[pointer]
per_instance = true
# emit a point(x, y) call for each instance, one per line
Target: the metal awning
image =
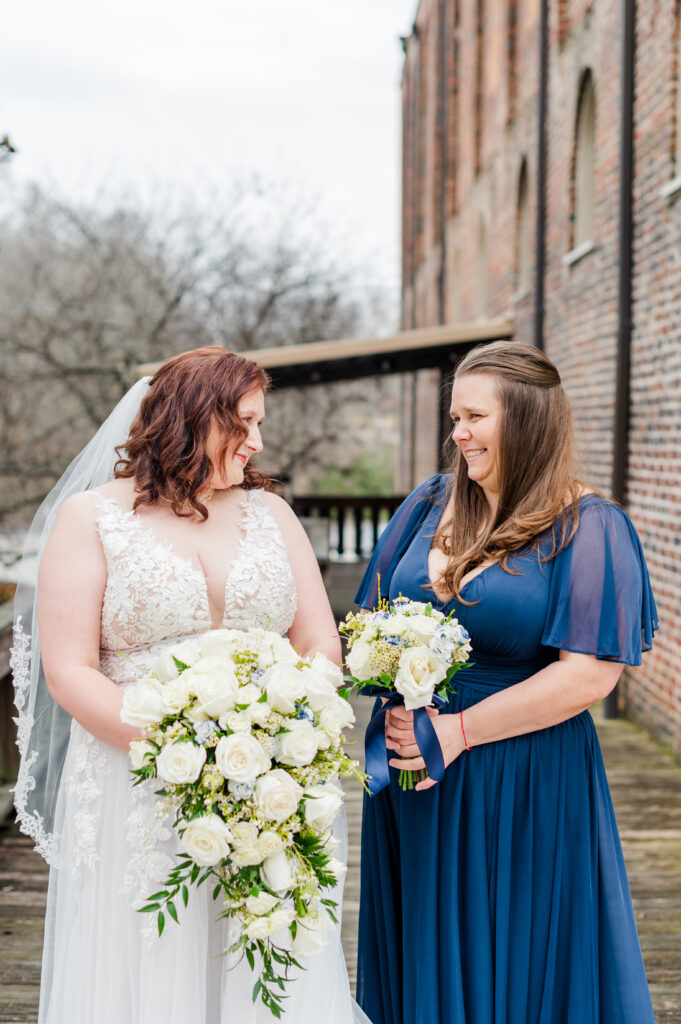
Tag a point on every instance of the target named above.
point(326, 362)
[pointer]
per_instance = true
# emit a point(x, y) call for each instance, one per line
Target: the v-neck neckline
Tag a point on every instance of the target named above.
point(196, 567)
point(431, 522)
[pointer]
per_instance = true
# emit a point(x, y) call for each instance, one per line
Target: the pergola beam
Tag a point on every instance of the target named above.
point(327, 362)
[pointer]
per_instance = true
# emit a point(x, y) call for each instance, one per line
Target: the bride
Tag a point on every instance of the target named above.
point(180, 535)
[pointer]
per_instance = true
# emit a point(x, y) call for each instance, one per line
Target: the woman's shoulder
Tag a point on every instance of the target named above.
point(82, 508)
point(278, 507)
point(434, 487)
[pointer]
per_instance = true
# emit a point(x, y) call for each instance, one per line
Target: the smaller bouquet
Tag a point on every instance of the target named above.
point(242, 743)
point(408, 652)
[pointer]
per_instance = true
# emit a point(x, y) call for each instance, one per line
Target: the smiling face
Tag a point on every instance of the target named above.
point(251, 411)
point(477, 413)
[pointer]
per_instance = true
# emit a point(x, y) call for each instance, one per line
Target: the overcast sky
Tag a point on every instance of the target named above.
point(146, 93)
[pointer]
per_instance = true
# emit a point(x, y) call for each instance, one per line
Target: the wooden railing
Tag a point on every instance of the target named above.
point(344, 527)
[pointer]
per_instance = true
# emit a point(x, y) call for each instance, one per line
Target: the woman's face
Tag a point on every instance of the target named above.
point(476, 413)
point(251, 410)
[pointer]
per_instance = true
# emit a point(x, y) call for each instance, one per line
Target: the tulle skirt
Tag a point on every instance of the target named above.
point(103, 962)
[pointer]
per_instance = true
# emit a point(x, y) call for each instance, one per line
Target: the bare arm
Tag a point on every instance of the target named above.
point(71, 585)
point(314, 627)
point(556, 693)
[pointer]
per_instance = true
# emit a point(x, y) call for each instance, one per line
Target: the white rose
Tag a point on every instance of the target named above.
point(395, 625)
point(330, 842)
point(261, 928)
point(260, 904)
point(235, 721)
point(142, 705)
point(336, 716)
point(219, 643)
point(138, 751)
point(337, 868)
point(323, 739)
point(285, 686)
point(206, 840)
point(318, 690)
point(278, 872)
point(248, 694)
point(419, 672)
point(270, 843)
point(272, 648)
point(187, 652)
point(247, 857)
point(240, 757)
point(298, 746)
point(311, 935)
point(424, 626)
point(359, 660)
point(259, 713)
point(327, 669)
point(282, 918)
point(215, 687)
point(164, 667)
point(175, 694)
point(181, 762)
point(244, 834)
point(322, 804)
point(277, 795)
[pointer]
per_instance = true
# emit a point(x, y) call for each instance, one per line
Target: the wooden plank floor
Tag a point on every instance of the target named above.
point(646, 787)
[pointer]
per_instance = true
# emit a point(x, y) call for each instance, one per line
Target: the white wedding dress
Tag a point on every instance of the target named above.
point(103, 962)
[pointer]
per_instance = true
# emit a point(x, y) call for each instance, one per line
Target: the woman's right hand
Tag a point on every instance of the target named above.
point(399, 730)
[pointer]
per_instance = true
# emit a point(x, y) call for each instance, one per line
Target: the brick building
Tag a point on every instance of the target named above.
point(542, 181)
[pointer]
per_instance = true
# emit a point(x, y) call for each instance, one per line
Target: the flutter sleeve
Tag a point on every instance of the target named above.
point(395, 540)
point(600, 598)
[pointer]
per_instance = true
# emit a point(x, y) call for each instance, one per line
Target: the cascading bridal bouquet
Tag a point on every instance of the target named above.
point(246, 739)
point(408, 652)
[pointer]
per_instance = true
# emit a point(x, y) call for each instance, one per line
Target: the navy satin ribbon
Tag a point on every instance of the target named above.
point(376, 752)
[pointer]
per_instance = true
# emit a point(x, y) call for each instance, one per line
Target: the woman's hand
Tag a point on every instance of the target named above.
point(399, 736)
point(399, 730)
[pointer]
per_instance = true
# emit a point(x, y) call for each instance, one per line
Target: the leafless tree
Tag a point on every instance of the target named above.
point(87, 292)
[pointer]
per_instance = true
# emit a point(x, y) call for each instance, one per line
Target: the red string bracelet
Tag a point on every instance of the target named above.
point(465, 741)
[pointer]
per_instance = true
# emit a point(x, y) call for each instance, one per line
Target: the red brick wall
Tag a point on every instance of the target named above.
point(491, 113)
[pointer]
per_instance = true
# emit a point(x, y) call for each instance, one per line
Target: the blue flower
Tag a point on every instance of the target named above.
point(204, 732)
point(305, 712)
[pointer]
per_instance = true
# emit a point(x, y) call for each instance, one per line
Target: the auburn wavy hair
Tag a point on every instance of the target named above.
point(166, 450)
point(539, 489)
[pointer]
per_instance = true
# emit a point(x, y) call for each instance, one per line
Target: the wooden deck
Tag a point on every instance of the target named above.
point(646, 787)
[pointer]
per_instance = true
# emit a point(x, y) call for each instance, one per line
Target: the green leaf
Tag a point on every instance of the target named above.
point(162, 895)
point(172, 911)
point(185, 895)
point(250, 958)
point(180, 665)
point(256, 990)
point(216, 890)
point(151, 906)
point(161, 922)
point(385, 678)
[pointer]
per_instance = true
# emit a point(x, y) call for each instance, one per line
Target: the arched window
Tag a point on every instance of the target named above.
point(584, 186)
point(523, 235)
point(481, 269)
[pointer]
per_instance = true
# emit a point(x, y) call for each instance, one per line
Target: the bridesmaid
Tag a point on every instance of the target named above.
point(499, 895)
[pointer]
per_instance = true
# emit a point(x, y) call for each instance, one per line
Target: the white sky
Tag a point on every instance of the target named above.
point(149, 94)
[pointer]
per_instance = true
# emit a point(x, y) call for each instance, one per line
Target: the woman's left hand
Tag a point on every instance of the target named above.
point(451, 742)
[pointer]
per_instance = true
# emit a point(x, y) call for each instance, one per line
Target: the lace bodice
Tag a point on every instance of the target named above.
point(154, 594)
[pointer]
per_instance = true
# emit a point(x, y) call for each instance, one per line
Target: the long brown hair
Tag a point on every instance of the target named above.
point(166, 449)
point(537, 466)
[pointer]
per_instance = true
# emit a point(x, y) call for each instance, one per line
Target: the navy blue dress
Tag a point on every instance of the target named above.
point(500, 895)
